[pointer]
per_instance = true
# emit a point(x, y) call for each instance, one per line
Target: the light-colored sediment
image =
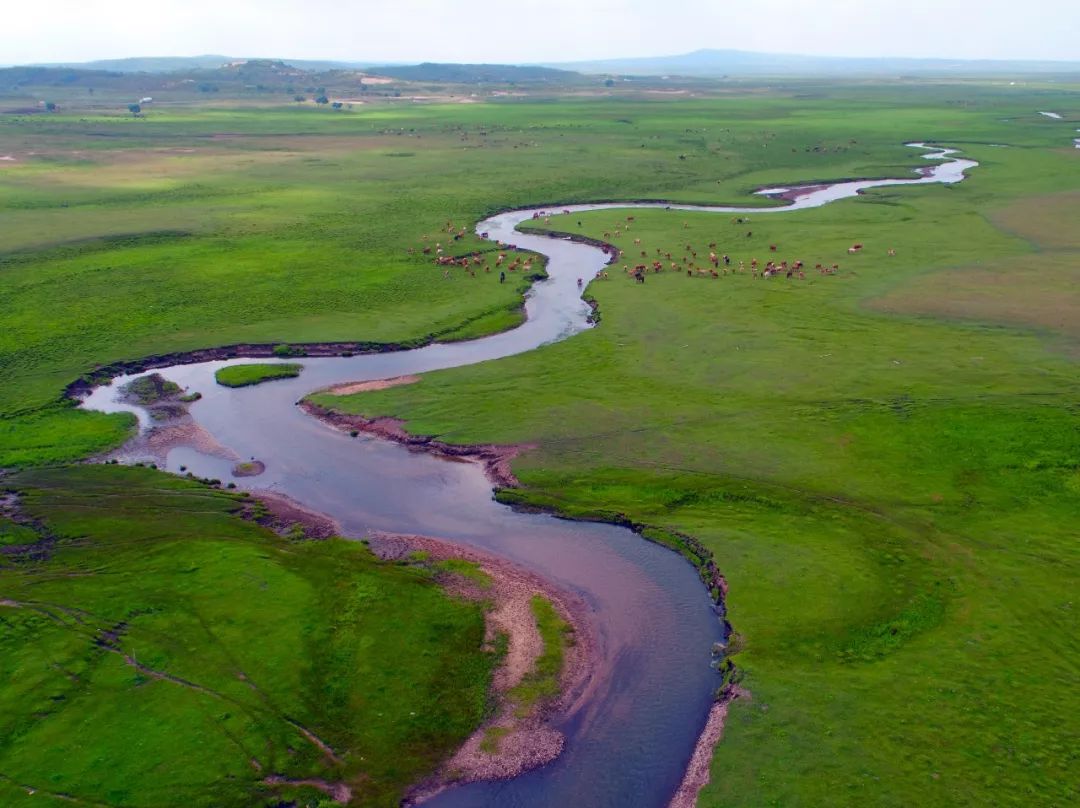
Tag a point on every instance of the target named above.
point(697, 772)
point(283, 512)
point(496, 458)
point(519, 742)
point(158, 441)
point(366, 387)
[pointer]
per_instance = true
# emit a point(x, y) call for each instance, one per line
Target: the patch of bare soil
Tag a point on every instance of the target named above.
point(793, 194)
point(338, 792)
point(495, 458)
point(281, 514)
point(511, 742)
point(697, 772)
point(365, 387)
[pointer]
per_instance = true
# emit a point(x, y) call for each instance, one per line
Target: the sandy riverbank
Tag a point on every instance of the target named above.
point(511, 741)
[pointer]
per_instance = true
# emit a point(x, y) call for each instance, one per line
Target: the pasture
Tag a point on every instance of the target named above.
point(159, 650)
point(884, 460)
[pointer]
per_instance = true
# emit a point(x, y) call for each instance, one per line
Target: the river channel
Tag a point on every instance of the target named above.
point(628, 744)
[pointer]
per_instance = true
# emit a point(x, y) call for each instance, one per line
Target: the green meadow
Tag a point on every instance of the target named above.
point(160, 650)
point(885, 461)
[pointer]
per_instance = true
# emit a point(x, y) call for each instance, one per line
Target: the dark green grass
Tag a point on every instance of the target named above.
point(245, 375)
point(372, 658)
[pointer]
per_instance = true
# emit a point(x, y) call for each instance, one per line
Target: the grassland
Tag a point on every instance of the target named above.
point(246, 375)
point(884, 462)
point(886, 467)
point(196, 227)
point(163, 651)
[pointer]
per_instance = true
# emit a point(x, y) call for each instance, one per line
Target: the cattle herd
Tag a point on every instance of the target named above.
point(702, 263)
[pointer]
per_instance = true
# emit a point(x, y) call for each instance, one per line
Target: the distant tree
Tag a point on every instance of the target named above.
point(134, 109)
point(50, 106)
point(337, 105)
point(320, 90)
point(609, 83)
point(299, 98)
point(322, 99)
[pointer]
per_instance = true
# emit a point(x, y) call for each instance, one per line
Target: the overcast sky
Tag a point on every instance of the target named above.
point(533, 30)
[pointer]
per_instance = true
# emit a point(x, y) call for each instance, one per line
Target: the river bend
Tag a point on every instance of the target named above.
point(629, 744)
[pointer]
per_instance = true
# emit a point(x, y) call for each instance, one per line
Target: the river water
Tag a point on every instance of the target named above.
point(629, 743)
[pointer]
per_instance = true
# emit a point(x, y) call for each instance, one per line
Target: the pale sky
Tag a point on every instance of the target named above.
point(533, 30)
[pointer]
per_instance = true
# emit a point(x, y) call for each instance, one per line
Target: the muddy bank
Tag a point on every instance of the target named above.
point(513, 740)
point(283, 514)
point(697, 772)
point(495, 459)
point(159, 440)
point(791, 194)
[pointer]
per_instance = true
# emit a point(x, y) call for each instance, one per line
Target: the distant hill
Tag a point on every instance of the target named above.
point(251, 78)
point(477, 74)
point(242, 78)
point(175, 64)
point(147, 64)
point(717, 63)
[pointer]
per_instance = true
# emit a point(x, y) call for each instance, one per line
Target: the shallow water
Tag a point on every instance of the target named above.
point(629, 744)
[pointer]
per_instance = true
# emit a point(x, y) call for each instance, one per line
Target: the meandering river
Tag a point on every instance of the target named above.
point(629, 743)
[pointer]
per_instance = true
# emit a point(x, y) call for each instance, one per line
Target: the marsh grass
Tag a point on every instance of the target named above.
point(247, 375)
